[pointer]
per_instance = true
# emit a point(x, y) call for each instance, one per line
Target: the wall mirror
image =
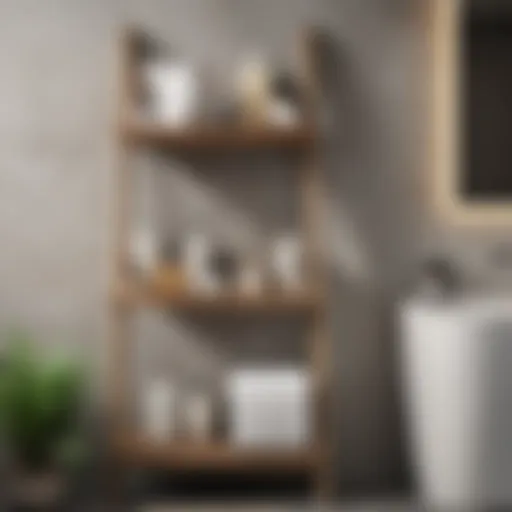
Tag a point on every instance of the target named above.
point(472, 109)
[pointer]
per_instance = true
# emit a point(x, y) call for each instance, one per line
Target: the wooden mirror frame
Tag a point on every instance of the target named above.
point(446, 157)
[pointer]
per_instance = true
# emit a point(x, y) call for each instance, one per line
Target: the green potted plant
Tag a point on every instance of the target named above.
point(41, 397)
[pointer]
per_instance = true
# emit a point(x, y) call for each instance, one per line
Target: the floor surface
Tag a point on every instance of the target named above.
point(360, 506)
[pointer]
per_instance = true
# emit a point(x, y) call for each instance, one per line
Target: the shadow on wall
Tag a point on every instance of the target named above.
point(369, 438)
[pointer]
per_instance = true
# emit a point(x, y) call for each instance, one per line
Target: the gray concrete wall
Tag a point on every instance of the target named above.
point(57, 99)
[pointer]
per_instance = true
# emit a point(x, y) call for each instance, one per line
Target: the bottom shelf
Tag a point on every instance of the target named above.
point(183, 456)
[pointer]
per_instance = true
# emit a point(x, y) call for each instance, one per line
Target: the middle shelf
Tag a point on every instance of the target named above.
point(131, 292)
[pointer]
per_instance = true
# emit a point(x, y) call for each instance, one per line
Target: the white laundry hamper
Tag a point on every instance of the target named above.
point(456, 361)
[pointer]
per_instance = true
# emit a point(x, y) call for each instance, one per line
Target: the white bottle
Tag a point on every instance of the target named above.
point(287, 262)
point(198, 417)
point(143, 249)
point(159, 411)
point(253, 83)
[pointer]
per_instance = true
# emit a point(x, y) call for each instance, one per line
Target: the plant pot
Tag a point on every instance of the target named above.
point(37, 491)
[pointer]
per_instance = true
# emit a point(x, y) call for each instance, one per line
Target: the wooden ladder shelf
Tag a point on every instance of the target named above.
point(128, 447)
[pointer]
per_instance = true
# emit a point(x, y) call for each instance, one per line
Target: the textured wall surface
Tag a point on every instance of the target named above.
point(57, 100)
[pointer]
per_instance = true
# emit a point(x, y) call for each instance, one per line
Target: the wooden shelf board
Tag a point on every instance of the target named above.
point(216, 456)
point(222, 303)
point(218, 138)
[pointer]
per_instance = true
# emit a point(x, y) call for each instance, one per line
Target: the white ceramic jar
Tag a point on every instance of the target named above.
point(173, 89)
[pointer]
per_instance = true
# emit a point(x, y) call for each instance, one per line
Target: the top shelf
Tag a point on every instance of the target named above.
point(136, 131)
point(222, 138)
